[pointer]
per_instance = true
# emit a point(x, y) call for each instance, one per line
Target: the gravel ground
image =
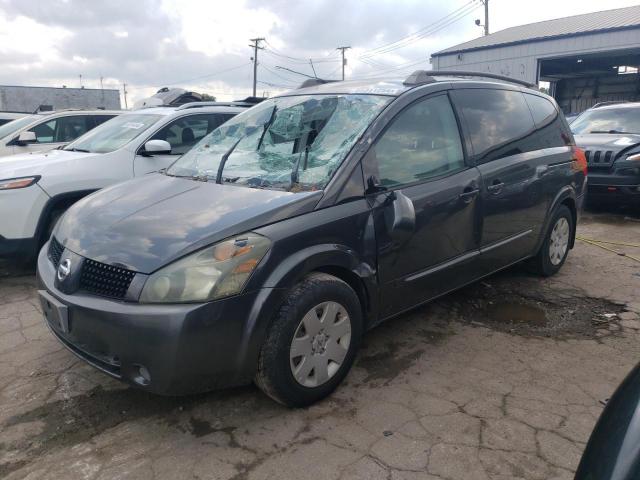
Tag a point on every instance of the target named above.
point(501, 380)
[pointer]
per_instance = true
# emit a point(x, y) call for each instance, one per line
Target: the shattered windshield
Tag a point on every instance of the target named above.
point(291, 143)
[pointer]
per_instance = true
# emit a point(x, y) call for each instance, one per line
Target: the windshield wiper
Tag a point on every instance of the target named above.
point(266, 126)
point(296, 167)
point(77, 150)
point(607, 131)
point(224, 159)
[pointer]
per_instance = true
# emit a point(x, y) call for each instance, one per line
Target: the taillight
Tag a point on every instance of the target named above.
point(579, 160)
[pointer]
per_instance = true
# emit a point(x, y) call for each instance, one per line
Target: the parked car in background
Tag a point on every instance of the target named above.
point(6, 117)
point(269, 248)
point(612, 452)
point(610, 136)
point(46, 131)
point(571, 117)
point(35, 189)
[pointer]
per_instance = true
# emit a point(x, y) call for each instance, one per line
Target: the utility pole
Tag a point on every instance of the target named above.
point(486, 17)
point(344, 60)
point(124, 91)
point(256, 46)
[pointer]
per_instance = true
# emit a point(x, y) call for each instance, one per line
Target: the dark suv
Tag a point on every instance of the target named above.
point(610, 135)
point(267, 250)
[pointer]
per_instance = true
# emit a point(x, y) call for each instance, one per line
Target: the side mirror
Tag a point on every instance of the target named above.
point(157, 147)
point(25, 138)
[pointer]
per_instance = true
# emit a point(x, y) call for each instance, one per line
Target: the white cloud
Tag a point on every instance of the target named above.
point(203, 44)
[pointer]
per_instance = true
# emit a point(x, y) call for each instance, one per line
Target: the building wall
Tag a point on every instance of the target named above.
point(28, 99)
point(521, 61)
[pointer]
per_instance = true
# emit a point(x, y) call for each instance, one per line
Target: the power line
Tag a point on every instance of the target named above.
point(273, 51)
point(443, 22)
point(287, 58)
point(400, 67)
point(293, 71)
point(276, 74)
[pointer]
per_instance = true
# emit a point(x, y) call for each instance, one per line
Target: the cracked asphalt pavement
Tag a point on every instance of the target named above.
point(502, 380)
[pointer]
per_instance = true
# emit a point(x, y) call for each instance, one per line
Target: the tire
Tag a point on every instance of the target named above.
point(551, 256)
point(318, 298)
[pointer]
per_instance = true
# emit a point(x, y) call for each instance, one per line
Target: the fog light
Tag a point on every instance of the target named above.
point(142, 375)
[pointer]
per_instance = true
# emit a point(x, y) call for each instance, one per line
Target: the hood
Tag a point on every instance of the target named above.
point(25, 164)
point(607, 141)
point(148, 222)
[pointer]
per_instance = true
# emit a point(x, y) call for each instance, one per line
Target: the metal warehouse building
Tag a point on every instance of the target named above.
point(587, 58)
point(28, 99)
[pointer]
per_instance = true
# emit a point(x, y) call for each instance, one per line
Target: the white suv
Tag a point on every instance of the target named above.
point(35, 189)
point(46, 131)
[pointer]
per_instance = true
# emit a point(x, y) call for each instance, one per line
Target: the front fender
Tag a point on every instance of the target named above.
point(338, 240)
point(336, 259)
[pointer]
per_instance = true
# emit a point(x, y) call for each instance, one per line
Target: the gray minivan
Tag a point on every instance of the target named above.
point(266, 251)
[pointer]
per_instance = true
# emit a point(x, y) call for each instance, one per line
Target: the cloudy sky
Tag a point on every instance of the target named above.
point(203, 44)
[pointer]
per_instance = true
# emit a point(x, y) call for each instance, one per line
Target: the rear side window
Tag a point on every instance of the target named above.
point(543, 110)
point(551, 128)
point(422, 142)
point(70, 128)
point(45, 131)
point(496, 121)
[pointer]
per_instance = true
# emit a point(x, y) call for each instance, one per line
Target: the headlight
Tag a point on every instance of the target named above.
point(215, 272)
point(22, 182)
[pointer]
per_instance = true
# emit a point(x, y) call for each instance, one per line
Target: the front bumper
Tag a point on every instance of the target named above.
point(620, 185)
point(185, 348)
point(20, 212)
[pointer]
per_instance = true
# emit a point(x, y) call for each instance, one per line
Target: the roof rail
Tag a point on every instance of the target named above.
point(186, 106)
point(427, 76)
point(312, 82)
point(83, 109)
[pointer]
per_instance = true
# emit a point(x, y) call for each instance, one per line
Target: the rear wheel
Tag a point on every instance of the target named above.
point(312, 342)
point(555, 247)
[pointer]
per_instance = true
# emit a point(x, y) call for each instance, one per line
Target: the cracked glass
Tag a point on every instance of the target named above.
point(291, 143)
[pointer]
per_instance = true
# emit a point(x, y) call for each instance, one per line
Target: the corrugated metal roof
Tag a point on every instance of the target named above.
point(577, 24)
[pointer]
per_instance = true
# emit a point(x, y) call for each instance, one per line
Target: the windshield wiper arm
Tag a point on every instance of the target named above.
point(224, 159)
point(266, 126)
point(77, 150)
point(607, 131)
point(296, 167)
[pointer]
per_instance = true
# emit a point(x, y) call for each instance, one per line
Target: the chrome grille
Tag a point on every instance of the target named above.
point(105, 280)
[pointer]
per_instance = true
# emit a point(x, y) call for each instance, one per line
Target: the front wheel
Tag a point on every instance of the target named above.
point(312, 342)
point(555, 247)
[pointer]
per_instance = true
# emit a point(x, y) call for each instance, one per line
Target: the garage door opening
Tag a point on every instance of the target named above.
point(579, 82)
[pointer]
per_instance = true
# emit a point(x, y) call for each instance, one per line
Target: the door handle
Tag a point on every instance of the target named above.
point(496, 187)
point(468, 194)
